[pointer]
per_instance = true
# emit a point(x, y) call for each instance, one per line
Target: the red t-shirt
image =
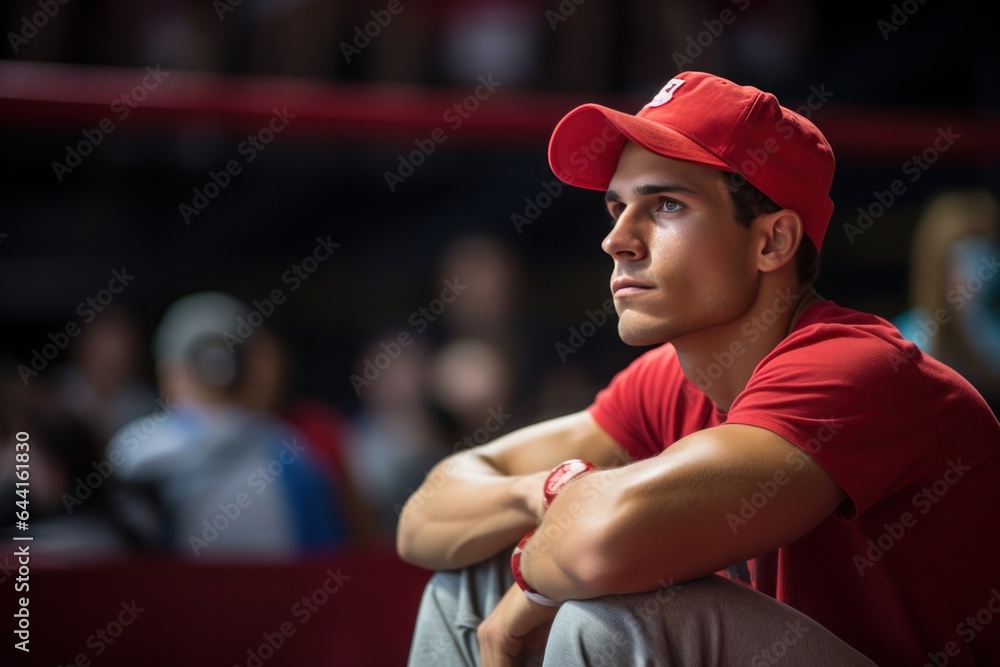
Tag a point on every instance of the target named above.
point(908, 570)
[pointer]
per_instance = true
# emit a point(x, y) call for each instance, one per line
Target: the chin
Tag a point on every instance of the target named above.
point(642, 333)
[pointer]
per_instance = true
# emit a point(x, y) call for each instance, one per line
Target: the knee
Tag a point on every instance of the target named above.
point(592, 632)
point(609, 629)
point(598, 620)
point(443, 582)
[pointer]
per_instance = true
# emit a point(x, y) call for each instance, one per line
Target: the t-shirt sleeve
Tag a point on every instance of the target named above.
point(853, 402)
point(649, 405)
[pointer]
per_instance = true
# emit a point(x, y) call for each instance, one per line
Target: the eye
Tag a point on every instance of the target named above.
point(615, 210)
point(668, 205)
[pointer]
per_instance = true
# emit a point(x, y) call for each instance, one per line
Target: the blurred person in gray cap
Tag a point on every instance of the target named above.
point(232, 480)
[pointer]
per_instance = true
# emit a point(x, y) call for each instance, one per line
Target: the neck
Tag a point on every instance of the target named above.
point(720, 360)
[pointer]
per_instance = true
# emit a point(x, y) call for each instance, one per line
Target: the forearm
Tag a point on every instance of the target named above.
point(604, 534)
point(562, 560)
point(465, 512)
point(668, 519)
point(478, 502)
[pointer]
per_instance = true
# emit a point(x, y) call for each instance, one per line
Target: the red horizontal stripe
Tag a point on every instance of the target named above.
point(69, 97)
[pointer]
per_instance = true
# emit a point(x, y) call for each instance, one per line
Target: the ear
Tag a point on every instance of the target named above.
point(780, 234)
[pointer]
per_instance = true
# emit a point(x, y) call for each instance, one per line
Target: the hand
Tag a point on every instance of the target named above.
point(517, 623)
point(529, 491)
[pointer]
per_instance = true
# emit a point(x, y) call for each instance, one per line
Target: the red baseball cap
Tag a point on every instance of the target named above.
point(704, 118)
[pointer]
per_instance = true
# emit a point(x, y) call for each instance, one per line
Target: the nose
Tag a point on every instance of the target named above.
point(624, 242)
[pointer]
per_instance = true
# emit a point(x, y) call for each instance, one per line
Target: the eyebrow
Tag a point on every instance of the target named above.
point(653, 189)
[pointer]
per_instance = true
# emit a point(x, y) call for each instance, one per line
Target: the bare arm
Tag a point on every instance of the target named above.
point(676, 516)
point(479, 501)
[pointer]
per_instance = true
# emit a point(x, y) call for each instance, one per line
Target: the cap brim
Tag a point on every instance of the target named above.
point(587, 142)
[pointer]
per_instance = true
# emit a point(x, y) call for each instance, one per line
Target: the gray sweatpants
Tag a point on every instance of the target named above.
point(707, 621)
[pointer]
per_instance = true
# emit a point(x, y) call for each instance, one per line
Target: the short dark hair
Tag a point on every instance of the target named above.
point(749, 202)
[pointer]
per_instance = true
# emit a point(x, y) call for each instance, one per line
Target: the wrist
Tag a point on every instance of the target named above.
point(555, 481)
point(515, 568)
point(560, 476)
point(527, 495)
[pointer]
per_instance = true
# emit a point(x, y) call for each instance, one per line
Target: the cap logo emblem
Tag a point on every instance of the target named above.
point(666, 93)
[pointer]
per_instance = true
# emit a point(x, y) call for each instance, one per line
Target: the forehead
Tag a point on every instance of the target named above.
point(638, 167)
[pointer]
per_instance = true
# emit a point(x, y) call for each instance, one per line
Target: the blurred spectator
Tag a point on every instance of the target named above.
point(233, 481)
point(76, 510)
point(397, 438)
point(490, 314)
point(498, 38)
point(955, 290)
point(463, 363)
point(565, 389)
point(102, 384)
point(486, 307)
point(266, 390)
point(471, 381)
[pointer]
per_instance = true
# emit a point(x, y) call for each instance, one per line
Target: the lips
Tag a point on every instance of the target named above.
point(626, 287)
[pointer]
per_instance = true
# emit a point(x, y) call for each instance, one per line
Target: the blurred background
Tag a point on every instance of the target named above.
point(263, 262)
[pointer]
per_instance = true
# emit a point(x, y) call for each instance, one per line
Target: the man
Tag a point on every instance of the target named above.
point(858, 477)
point(233, 482)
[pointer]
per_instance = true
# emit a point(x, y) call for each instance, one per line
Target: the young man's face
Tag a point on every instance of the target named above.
point(682, 263)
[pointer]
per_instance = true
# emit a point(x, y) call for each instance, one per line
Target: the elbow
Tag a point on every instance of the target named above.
point(414, 535)
point(599, 566)
point(410, 549)
point(405, 548)
point(415, 544)
point(579, 563)
point(601, 555)
point(407, 538)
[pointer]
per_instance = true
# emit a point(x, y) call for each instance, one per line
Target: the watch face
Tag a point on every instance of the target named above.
point(562, 475)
